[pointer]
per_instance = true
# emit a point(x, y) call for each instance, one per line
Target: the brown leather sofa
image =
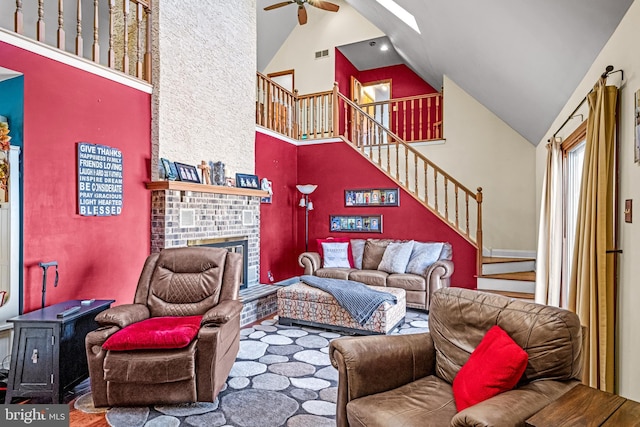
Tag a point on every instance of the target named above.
point(405, 380)
point(418, 287)
point(175, 282)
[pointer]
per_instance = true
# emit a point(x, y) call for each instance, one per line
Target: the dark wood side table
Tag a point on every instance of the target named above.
point(586, 406)
point(48, 355)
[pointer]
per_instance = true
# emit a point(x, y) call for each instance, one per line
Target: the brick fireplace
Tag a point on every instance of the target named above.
point(195, 214)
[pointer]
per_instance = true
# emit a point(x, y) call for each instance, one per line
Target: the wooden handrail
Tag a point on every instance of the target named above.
point(406, 98)
point(410, 148)
point(379, 144)
point(136, 25)
point(331, 114)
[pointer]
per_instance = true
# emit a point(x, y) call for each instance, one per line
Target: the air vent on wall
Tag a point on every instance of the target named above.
point(322, 54)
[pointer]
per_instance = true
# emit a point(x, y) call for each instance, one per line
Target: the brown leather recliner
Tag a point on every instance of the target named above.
point(405, 380)
point(175, 282)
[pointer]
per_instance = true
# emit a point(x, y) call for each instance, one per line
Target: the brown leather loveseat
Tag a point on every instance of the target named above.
point(201, 284)
point(406, 380)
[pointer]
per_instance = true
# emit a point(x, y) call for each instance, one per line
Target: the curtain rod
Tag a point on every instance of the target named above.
point(607, 72)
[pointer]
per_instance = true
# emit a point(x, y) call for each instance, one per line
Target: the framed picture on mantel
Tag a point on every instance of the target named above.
point(187, 173)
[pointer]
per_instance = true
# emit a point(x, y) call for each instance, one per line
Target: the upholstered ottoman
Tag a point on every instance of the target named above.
point(305, 305)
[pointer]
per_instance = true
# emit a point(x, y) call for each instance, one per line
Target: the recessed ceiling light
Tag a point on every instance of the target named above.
point(401, 13)
point(384, 47)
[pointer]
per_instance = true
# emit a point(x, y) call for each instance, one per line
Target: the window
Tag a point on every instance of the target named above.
point(573, 152)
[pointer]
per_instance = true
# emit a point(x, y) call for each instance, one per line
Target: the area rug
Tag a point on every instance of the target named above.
point(282, 377)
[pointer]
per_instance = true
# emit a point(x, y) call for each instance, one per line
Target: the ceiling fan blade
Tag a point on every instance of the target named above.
point(325, 5)
point(302, 15)
point(277, 5)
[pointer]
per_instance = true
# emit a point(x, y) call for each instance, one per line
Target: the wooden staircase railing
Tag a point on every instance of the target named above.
point(127, 37)
point(414, 118)
point(331, 114)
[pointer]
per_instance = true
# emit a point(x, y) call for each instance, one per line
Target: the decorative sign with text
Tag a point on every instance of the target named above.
point(99, 180)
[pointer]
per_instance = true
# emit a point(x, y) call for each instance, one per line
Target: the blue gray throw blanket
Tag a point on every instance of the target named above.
point(355, 297)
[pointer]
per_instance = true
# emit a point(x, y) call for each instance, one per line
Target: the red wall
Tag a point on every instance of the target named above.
point(404, 82)
point(99, 257)
point(277, 161)
point(336, 167)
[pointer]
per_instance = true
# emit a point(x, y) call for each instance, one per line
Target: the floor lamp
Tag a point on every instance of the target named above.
point(308, 206)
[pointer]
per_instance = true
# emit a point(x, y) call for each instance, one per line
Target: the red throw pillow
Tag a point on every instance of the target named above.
point(495, 366)
point(336, 240)
point(155, 333)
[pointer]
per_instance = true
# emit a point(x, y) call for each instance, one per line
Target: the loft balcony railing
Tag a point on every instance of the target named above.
point(414, 118)
point(112, 33)
point(331, 114)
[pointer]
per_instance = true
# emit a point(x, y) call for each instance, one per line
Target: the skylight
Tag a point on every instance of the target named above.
point(401, 13)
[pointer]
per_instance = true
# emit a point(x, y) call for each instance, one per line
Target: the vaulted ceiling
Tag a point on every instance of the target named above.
point(521, 59)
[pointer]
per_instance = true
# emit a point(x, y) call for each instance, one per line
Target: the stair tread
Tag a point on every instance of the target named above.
point(528, 276)
point(511, 294)
point(497, 260)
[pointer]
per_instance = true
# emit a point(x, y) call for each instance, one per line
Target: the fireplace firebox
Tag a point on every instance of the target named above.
point(237, 244)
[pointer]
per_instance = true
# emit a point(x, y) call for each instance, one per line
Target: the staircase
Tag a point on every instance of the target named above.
point(330, 114)
point(512, 277)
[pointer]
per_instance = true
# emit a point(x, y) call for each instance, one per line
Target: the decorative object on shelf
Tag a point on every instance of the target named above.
point(4, 177)
point(266, 185)
point(187, 173)
point(372, 197)
point(206, 172)
point(307, 204)
point(4, 134)
point(170, 171)
point(230, 182)
point(4, 157)
point(247, 181)
point(356, 223)
point(217, 173)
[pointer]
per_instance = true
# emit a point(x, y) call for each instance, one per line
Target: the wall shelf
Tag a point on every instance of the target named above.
point(204, 188)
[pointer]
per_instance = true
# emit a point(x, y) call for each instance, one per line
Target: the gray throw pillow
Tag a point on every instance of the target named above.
point(357, 250)
point(396, 257)
point(423, 255)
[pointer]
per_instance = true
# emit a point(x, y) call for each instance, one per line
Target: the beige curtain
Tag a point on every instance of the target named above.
point(549, 257)
point(591, 288)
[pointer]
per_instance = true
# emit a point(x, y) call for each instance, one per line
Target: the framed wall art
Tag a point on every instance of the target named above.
point(187, 173)
point(356, 223)
point(247, 181)
point(372, 197)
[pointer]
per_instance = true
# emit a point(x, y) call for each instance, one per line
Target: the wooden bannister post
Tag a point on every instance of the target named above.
point(139, 52)
point(111, 57)
point(147, 52)
point(96, 37)
point(18, 20)
point(125, 39)
point(479, 231)
point(296, 115)
point(79, 42)
point(61, 37)
point(335, 131)
point(40, 24)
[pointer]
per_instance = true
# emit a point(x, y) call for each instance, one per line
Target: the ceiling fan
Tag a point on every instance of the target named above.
point(302, 12)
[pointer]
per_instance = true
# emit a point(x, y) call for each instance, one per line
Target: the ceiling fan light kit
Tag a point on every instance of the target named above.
point(302, 11)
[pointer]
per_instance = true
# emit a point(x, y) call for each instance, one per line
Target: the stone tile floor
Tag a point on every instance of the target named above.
point(282, 377)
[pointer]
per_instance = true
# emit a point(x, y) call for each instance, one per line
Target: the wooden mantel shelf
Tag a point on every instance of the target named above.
point(204, 188)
